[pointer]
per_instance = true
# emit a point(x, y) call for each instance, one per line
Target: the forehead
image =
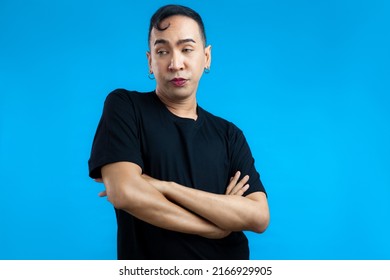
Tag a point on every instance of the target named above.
point(176, 28)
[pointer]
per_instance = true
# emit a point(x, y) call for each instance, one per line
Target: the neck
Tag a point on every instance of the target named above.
point(184, 108)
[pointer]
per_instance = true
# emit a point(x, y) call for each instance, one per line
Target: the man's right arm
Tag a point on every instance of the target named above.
point(127, 190)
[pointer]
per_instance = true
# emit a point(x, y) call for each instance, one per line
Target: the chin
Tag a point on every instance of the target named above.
point(182, 93)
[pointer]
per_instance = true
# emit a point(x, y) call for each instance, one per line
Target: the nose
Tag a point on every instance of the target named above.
point(177, 62)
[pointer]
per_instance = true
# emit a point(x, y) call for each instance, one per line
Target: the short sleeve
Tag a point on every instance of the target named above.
point(117, 136)
point(243, 161)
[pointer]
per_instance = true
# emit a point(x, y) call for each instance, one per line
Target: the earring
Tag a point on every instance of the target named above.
point(151, 76)
point(206, 70)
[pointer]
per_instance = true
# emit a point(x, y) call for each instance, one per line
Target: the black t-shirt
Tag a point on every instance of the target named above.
point(201, 154)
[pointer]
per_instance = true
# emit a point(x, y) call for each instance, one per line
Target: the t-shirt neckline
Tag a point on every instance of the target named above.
point(176, 118)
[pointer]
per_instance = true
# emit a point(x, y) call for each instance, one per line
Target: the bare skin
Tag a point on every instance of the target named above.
point(231, 211)
point(178, 57)
point(178, 52)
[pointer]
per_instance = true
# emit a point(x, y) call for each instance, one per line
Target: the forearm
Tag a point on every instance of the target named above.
point(128, 191)
point(230, 212)
point(165, 214)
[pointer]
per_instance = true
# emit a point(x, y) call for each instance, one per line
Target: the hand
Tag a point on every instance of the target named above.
point(236, 187)
point(102, 193)
point(217, 234)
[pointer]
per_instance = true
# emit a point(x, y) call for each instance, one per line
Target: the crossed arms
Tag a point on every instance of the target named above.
point(175, 207)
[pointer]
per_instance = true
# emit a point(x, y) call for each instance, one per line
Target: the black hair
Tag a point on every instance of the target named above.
point(174, 10)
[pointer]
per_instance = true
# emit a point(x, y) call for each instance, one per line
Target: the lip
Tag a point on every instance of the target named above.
point(179, 82)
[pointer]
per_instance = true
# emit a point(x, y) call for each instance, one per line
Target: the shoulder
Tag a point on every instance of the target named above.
point(125, 100)
point(125, 95)
point(221, 124)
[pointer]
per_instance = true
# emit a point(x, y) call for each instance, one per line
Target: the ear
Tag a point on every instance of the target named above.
point(149, 57)
point(207, 52)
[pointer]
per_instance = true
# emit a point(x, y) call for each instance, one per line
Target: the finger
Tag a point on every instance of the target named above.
point(241, 184)
point(102, 194)
point(241, 191)
point(233, 182)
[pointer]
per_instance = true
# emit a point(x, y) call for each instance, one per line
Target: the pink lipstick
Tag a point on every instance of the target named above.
point(178, 82)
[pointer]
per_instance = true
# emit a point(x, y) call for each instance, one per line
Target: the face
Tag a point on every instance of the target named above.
point(178, 57)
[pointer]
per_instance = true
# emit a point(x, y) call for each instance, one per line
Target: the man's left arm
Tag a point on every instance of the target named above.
point(231, 211)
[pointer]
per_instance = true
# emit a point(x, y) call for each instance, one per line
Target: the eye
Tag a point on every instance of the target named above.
point(162, 52)
point(187, 50)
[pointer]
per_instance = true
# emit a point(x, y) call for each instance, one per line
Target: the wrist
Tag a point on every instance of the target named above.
point(167, 188)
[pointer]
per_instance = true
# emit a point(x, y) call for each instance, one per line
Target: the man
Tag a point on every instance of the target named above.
point(173, 171)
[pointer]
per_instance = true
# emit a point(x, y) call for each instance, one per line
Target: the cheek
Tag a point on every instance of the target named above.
point(155, 64)
point(159, 62)
point(199, 67)
point(157, 68)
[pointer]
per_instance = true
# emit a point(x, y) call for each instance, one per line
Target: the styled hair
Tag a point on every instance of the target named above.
point(174, 10)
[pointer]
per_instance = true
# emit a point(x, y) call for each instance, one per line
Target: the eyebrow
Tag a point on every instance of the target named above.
point(180, 42)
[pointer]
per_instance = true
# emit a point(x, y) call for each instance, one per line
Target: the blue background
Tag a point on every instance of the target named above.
point(307, 82)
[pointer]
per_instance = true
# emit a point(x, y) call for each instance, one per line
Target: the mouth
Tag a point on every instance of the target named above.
point(178, 82)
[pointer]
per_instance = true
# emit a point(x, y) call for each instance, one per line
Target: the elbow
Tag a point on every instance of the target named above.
point(122, 199)
point(261, 222)
point(119, 199)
